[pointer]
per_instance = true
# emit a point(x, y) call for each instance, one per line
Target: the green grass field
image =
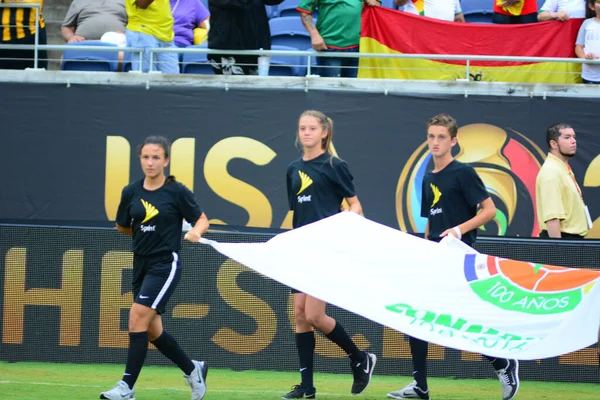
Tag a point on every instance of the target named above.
point(49, 381)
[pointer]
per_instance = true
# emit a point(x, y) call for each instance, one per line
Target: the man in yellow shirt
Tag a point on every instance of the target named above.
point(560, 207)
point(17, 26)
point(150, 25)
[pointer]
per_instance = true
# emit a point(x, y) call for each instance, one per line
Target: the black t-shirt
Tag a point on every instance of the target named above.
point(450, 197)
point(316, 188)
point(157, 215)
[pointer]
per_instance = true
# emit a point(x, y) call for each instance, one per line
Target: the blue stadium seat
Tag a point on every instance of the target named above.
point(271, 10)
point(389, 4)
point(477, 11)
point(196, 63)
point(477, 6)
point(287, 8)
point(287, 65)
point(90, 60)
point(289, 31)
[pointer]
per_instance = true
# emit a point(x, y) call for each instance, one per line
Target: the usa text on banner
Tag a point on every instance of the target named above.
point(435, 292)
point(394, 32)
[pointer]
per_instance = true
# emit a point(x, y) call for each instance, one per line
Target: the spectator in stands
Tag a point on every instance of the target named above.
point(150, 25)
point(515, 11)
point(90, 19)
point(18, 27)
point(446, 10)
point(587, 44)
point(337, 30)
point(238, 25)
point(189, 15)
point(560, 207)
point(562, 10)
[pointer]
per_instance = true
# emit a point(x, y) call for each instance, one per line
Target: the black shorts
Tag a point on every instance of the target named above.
point(154, 279)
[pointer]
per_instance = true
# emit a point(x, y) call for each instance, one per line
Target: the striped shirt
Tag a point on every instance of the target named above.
point(17, 23)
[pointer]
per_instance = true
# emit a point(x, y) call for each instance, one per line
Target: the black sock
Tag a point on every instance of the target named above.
point(339, 336)
point(305, 342)
point(138, 347)
point(418, 349)
point(498, 363)
point(167, 345)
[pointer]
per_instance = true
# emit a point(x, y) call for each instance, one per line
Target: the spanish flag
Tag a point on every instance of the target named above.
point(394, 32)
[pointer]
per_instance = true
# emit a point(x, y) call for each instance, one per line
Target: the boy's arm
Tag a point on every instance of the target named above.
point(487, 213)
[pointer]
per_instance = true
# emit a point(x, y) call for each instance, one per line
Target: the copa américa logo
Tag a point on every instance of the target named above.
point(528, 288)
point(507, 162)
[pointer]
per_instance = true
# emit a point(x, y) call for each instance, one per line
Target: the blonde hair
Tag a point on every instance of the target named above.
point(326, 124)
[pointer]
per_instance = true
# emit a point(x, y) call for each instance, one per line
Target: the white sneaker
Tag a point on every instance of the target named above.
point(411, 391)
point(121, 391)
point(197, 380)
point(509, 378)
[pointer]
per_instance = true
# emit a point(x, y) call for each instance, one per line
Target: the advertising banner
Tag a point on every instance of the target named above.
point(69, 151)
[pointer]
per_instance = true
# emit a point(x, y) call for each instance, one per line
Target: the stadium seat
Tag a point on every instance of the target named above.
point(287, 9)
point(477, 6)
point(287, 65)
point(289, 31)
point(270, 10)
point(196, 63)
point(389, 4)
point(90, 60)
point(477, 11)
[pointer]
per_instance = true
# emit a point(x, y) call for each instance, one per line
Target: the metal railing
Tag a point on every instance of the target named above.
point(308, 54)
point(64, 47)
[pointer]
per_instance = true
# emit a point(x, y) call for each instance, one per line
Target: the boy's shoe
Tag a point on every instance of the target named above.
point(120, 391)
point(411, 391)
point(301, 392)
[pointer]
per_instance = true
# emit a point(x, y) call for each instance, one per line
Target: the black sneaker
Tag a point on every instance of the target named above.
point(509, 378)
point(362, 372)
point(301, 392)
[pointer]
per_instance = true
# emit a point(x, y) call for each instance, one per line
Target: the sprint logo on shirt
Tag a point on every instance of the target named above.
point(148, 228)
point(306, 182)
point(304, 199)
point(437, 193)
point(151, 212)
point(435, 211)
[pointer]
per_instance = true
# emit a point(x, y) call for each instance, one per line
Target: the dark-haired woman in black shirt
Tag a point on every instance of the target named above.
point(152, 211)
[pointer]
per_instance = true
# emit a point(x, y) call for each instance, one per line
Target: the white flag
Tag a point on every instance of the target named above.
point(444, 294)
